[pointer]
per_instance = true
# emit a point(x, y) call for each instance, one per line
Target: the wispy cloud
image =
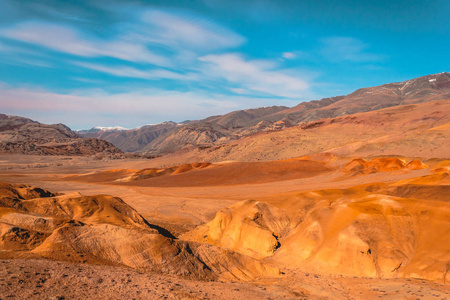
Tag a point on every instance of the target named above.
point(124, 71)
point(23, 61)
point(289, 55)
point(88, 80)
point(17, 56)
point(183, 30)
point(297, 55)
point(65, 12)
point(259, 76)
point(9, 49)
point(69, 40)
point(338, 49)
point(240, 91)
point(150, 36)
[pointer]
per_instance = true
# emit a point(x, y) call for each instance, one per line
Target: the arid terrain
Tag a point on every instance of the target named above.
point(352, 229)
point(337, 205)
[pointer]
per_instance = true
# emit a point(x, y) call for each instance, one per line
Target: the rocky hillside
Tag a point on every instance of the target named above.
point(414, 130)
point(22, 135)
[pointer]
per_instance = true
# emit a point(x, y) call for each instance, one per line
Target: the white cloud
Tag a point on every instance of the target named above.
point(240, 91)
point(16, 50)
point(23, 61)
point(259, 76)
point(69, 40)
point(88, 80)
point(337, 49)
point(17, 56)
point(123, 71)
point(289, 55)
point(181, 31)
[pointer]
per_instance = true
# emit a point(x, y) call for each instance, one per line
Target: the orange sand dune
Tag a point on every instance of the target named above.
point(206, 174)
point(250, 227)
point(376, 230)
point(384, 164)
point(154, 172)
point(240, 173)
point(104, 229)
point(126, 175)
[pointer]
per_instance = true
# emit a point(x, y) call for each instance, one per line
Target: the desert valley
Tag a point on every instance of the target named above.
point(340, 198)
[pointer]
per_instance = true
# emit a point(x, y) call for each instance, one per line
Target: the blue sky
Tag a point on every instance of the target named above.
point(129, 63)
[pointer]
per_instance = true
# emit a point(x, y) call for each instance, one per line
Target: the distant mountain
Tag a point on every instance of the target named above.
point(215, 129)
point(22, 135)
point(98, 129)
point(130, 140)
point(169, 137)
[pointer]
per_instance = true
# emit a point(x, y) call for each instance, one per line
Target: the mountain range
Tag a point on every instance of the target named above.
point(223, 134)
point(169, 137)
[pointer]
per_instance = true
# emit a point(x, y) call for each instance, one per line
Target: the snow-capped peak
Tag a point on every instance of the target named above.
point(115, 128)
point(101, 128)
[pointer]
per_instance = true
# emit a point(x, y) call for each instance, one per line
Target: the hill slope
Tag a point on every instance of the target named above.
point(415, 130)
